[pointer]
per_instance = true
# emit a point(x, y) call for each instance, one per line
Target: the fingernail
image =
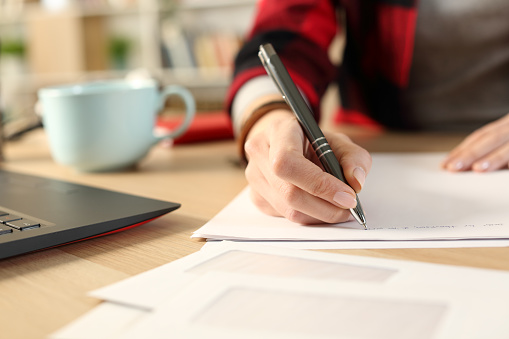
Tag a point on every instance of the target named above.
point(345, 200)
point(481, 167)
point(456, 166)
point(360, 175)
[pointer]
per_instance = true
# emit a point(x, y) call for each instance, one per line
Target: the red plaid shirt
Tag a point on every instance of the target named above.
point(376, 61)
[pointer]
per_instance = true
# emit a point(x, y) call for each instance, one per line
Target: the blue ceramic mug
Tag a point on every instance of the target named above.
point(107, 125)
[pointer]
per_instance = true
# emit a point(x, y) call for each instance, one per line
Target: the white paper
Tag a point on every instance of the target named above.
point(135, 298)
point(405, 197)
point(149, 289)
point(374, 244)
point(234, 306)
point(105, 321)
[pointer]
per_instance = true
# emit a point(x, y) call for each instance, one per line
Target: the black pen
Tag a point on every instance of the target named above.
point(277, 71)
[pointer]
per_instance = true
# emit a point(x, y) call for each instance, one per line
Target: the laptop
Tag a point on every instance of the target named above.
point(38, 213)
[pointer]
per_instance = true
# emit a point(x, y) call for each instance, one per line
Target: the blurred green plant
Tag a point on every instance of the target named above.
point(12, 47)
point(119, 48)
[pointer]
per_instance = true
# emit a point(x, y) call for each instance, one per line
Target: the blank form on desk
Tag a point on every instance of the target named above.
point(406, 197)
point(218, 305)
point(237, 290)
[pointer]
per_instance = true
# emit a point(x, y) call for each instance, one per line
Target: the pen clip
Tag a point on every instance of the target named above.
point(291, 94)
point(264, 56)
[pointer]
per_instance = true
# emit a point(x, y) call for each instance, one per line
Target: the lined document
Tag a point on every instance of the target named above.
point(405, 197)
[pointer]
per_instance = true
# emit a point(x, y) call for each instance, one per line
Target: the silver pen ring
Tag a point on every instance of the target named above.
point(322, 145)
point(327, 151)
point(320, 138)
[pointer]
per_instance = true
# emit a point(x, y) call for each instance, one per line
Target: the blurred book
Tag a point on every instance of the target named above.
point(204, 51)
point(176, 45)
point(206, 126)
point(216, 50)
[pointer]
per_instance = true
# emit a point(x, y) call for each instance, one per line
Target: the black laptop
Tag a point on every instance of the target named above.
point(37, 213)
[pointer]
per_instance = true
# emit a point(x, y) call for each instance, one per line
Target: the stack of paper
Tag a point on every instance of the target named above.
point(236, 290)
point(409, 202)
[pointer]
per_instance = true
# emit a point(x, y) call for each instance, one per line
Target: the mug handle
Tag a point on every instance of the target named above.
point(189, 102)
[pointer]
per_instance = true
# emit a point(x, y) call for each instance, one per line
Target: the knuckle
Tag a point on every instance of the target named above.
point(282, 165)
point(251, 146)
point(346, 138)
point(294, 216)
point(263, 205)
point(291, 194)
point(249, 171)
point(258, 201)
point(320, 186)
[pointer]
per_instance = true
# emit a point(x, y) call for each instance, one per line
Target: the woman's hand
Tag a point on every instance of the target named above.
point(287, 180)
point(486, 149)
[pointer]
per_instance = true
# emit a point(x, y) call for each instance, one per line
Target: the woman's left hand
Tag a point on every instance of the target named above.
point(486, 149)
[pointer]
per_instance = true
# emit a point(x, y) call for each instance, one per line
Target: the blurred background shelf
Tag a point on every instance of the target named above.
point(51, 42)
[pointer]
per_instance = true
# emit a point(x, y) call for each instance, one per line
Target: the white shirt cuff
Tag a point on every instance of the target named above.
point(248, 93)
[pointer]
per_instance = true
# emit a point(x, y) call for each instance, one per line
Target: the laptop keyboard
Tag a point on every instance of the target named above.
point(10, 223)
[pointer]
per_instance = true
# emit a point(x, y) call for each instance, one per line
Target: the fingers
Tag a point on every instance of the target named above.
point(495, 160)
point(355, 161)
point(295, 205)
point(285, 183)
point(287, 162)
point(257, 198)
point(486, 149)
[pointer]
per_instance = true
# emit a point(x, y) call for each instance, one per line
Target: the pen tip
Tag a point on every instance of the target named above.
point(365, 226)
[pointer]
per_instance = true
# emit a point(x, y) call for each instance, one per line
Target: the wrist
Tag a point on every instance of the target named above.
point(269, 119)
point(257, 120)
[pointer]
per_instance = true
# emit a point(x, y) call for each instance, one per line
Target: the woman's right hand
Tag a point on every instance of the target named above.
point(287, 179)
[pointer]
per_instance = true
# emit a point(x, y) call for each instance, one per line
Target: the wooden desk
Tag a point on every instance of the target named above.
point(41, 292)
